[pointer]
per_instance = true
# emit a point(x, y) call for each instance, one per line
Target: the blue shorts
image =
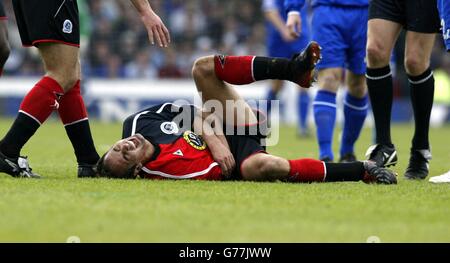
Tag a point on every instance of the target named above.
point(342, 34)
point(278, 48)
point(444, 13)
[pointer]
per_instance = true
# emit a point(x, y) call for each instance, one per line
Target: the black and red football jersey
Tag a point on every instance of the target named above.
point(180, 153)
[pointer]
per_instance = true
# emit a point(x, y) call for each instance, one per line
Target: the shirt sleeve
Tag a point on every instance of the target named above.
point(293, 5)
point(268, 5)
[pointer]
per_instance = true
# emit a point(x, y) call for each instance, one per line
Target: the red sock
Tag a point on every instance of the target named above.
point(42, 99)
point(307, 170)
point(234, 70)
point(71, 107)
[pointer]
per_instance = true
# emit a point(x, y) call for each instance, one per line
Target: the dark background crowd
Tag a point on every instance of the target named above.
point(114, 42)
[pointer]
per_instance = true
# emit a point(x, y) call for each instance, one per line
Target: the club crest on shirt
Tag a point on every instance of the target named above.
point(67, 26)
point(194, 140)
point(169, 127)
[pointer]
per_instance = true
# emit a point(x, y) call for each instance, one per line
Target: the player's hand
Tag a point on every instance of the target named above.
point(287, 36)
point(156, 29)
point(225, 160)
point(294, 25)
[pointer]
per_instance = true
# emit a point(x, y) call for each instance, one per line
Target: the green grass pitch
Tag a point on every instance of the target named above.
point(100, 210)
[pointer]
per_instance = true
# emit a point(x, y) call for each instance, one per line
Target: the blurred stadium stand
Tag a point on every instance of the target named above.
point(117, 58)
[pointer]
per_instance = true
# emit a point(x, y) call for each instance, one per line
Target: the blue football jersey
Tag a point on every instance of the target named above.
point(444, 13)
point(296, 5)
point(276, 46)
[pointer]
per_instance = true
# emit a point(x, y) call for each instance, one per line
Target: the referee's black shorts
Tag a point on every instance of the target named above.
point(2, 11)
point(415, 15)
point(54, 21)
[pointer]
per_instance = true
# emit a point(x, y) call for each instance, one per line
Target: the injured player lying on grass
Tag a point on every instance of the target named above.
point(183, 142)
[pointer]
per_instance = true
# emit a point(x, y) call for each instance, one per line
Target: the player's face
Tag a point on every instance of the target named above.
point(126, 153)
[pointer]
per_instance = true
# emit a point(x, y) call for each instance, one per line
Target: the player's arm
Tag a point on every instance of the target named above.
point(155, 27)
point(208, 126)
point(294, 20)
point(272, 14)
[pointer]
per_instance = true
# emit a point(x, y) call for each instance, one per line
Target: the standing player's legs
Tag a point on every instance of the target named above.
point(58, 42)
point(356, 99)
point(62, 78)
point(421, 83)
point(355, 112)
point(422, 26)
point(72, 111)
point(4, 44)
point(381, 37)
point(303, 103)
point(343, 47)
point(329, 80)
point(330, 25)
point(444, 13)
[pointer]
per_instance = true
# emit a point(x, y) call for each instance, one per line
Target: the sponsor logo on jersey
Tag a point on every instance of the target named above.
point(221, 60)
point(169, 127)
point(67, 26)
point(194, 140)
point(178, 152)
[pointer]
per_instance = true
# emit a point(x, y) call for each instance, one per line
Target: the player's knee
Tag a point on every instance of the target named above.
point(66, 79)
point(329, 82)
point(203, 67)
point(357, 87)
point(268, 167)
point(414, 65)
point(376, 55)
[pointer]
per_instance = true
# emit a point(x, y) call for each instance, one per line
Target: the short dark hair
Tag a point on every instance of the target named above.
point(105, 170)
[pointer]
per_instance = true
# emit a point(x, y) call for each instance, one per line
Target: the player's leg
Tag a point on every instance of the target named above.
point(213, 89)
point(328, 81)
point(303, 103)
point(240, 70)
point(355, 112)
point(329, 24)
point(4, 44)
point(39, 103)
point(265, 167)
point(381, 37)
point(72, 111)
point(61, 63)
point(66, 70)
point(211, 73)
point(421, 83)
point(356, 98)
point(423, 24)
point(43, 98)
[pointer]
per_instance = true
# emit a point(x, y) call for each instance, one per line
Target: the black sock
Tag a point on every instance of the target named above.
point(20, 132)
point(379, 84)
point(271, 68)
point(82, 142)
point(337, 172)
point(422, 94)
